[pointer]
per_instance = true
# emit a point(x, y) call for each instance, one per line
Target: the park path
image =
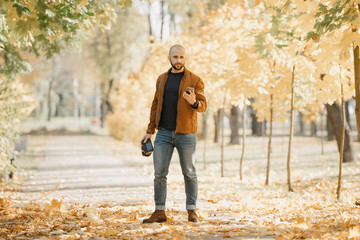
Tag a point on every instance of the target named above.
point(80, 168)
point(85, 169)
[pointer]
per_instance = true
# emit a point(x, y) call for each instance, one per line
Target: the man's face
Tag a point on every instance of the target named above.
point(177, 58)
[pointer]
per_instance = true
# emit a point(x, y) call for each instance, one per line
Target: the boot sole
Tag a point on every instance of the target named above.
point(161, 221)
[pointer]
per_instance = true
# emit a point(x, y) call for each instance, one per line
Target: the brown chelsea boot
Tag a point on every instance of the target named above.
point(192, 216)
point(157, 216)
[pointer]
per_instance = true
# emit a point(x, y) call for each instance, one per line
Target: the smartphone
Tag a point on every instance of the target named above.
point(188, 89)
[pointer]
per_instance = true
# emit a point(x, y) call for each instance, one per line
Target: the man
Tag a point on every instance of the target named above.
point(174, 113)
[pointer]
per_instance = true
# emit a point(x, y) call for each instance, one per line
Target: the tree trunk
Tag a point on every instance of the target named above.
point(322, 132)
point(172, 24)
point(357, 88)
point(58, 106)
point(347, 113)
point(253, 122)
point(234, 125)
point(204, 153)
point(313, 129)
point(103, 114)
point(257, 128)
point(342, 142)
point(269, 144)
point(218, 121)
point(102, 105)
point(162, 16)
point(105, 106)
point(151, 37)
point(301, 124)
point(243, 138)
point(52, 80)
point(222, 137)
point(291, 131)
point(204, 133)
point(329, 128)
point(49, 99)
point(334, 115)
point(261, 129)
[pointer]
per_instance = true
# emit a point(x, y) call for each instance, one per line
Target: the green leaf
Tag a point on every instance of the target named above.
point(21, 9)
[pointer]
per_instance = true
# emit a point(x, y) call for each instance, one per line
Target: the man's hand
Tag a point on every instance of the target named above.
point(191, 98)
point(145, 138)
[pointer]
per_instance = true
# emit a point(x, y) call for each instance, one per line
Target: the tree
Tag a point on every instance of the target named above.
point(342, 17)
point(330, 25)
point(43, 28)
point(117, 53)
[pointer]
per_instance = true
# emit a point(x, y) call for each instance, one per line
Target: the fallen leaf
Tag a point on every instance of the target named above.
point(354, 231)
point(93, 216)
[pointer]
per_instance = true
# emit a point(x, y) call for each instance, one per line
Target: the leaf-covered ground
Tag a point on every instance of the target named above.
point(228, 207)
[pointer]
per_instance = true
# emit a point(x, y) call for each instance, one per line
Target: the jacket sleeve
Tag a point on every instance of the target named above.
point(200, 96)
point(152, 125)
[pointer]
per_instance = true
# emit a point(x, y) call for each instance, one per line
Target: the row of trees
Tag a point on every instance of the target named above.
point(43, 28)
point(295, 55)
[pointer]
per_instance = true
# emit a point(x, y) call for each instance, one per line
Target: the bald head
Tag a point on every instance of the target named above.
point(176, 47)
point(177, 58)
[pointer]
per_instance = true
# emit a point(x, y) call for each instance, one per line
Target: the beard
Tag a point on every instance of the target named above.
point(178, 67)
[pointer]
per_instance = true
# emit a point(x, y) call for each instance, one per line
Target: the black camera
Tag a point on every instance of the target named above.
point(147, 148)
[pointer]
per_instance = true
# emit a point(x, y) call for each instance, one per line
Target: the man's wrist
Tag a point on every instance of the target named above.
point(195, 105)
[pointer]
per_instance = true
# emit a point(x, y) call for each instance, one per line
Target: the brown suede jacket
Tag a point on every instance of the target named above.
point(186, 120)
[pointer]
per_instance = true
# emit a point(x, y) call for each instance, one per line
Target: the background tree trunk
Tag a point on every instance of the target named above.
point(106, 106)
point(301, 125)
point(269, 144)
point(357, 88)
point(204, 153)
point(162, 16)
point(257, 128)
point(102, 106)
point(291, 131)
point(334, 115)
point(222, 136)
point(218, 122)
point(347, 113)
point(260, 128)
point(234, 125)
point(329, 129)
point(204, 132)
point(172, 24)
point(151, 37)
point(341, 151)
point(49, 102)
point(313, 129)
point(322, 131)
point(253, 122)
point(52, 80)
point(58, 106)
point(243, 138)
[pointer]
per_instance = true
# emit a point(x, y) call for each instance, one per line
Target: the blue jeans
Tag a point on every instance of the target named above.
point(164, 145)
